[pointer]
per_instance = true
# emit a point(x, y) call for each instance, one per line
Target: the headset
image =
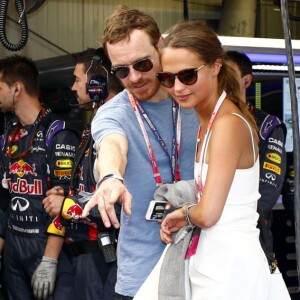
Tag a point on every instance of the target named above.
point(98, 86)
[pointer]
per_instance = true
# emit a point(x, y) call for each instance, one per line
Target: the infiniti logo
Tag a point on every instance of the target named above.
point(270, 176)
point(52, 129)
point(39, 134)
point(20, 203)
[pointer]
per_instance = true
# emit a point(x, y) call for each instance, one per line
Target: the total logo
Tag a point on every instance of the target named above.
point(22, 168)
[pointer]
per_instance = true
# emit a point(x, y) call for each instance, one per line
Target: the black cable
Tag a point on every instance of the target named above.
point(85, 143)
point(22, 21)
point(294, 18)
point(41, 37)
point(186, 10)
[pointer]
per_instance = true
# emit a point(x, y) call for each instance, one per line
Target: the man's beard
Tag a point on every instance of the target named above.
point(147, 92)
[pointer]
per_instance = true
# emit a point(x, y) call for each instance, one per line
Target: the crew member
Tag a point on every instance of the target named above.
point(91, 261)
point(36, 147)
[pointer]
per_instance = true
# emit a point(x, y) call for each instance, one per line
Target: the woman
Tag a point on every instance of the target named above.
point(228, 262)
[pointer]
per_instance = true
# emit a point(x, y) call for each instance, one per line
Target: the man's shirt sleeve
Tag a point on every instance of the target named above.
point(61, 153)
point(273, 167)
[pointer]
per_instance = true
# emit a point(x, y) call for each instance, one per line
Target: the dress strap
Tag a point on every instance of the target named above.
point(252, 138)
point(207, 137)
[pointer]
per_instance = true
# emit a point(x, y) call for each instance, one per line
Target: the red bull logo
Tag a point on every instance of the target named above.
point(74, 211)
point(56, 227)
point(21, 186)
point(22, 168)
point(12, 138)
point(57, 224)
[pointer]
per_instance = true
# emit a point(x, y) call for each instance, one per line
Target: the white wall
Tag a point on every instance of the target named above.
point(74, 25)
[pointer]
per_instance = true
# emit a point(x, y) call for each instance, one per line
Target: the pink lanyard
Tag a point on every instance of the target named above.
point(205, 141)
point(174, 160)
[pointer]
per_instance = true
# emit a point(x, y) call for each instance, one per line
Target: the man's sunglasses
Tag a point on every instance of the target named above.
point(186, 76)
point(122, 71)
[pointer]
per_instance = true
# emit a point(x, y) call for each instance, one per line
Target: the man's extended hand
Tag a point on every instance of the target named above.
point(110, 191)
point(43, 279)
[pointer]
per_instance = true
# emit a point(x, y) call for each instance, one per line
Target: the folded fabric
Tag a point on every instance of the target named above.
point(177, 193)
point(171, 284)
point(172, 273)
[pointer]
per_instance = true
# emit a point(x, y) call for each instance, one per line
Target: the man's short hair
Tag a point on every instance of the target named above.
point(242, 60)
point(86, 57)
point(124, 20)
point(20, 68)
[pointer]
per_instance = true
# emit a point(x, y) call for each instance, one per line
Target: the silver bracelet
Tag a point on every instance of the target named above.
point(109, 176)
point(186, 214)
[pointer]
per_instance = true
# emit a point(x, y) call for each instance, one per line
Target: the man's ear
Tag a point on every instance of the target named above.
point(247, 79)
point(17, 88)
point(160, 43)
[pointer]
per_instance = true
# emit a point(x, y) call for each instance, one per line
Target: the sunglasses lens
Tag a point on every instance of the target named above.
point(188, 76)
point(166, 79)
point(144, 65)
point(121, 72)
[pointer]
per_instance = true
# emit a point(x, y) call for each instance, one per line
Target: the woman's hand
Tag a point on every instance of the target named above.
point(172, 223)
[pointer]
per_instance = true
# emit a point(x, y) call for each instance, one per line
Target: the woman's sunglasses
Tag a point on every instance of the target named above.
point(186, 76)
point(122, 71)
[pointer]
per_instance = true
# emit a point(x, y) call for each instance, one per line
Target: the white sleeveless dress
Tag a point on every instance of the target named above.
point(230, 263)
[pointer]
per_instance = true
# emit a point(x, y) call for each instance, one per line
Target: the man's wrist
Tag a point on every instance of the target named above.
point(111, 175)
point(49, 259)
